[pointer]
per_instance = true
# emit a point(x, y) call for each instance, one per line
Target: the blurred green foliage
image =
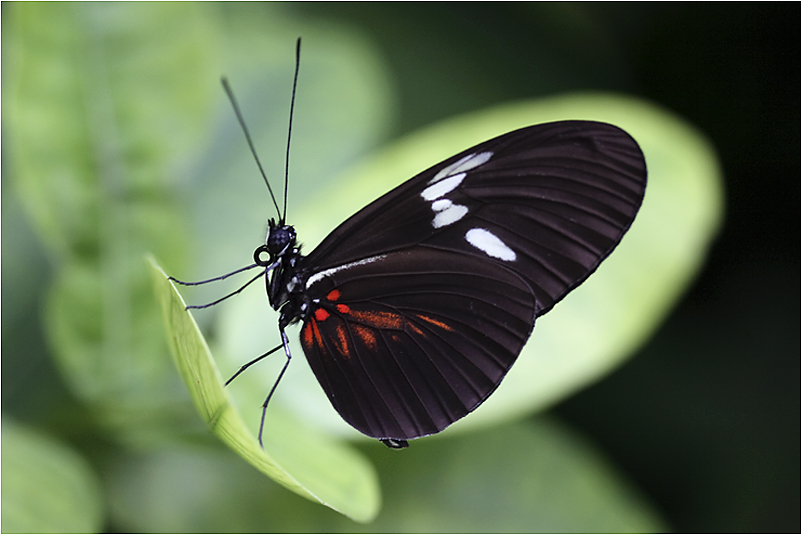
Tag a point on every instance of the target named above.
point(120, 142)
point(47, 487)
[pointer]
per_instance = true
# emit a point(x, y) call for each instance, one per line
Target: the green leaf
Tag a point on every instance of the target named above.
point(47, 487)
point(597, 327)
point(313, 466)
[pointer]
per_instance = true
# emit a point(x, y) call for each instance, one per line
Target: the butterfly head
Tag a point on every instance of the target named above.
point(280, 239)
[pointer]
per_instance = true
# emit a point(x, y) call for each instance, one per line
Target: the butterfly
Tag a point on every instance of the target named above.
point(414, 309)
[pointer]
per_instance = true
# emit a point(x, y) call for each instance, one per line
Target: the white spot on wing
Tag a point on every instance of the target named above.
point(441, 204)
point(331, 271)
point(450, 214)
point(438, 189)
point(490, 244)
point(447, 180)
point(462, 165)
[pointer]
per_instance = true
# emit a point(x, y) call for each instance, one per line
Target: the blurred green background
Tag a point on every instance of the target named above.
point(698, 432)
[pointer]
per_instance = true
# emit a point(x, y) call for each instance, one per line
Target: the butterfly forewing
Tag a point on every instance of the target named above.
point(549, 202)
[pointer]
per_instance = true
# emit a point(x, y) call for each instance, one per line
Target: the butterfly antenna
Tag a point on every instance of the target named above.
point(289, 130)
point(250, 143)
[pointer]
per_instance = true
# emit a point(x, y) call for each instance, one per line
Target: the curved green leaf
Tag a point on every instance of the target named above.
point(313, 466)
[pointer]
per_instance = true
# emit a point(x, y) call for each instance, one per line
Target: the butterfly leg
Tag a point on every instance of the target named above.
point(221, 277)
point(213, 279)
point(232, 294)
point(251, 363)
point(286, 343)
point(394, 443)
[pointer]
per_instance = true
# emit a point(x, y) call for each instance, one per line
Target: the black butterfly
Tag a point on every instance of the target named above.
point(415, 308)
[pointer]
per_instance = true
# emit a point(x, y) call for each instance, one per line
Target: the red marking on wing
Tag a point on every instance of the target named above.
point(438, 323)
point(367, 335)
point(363, 325)
point(333, 295)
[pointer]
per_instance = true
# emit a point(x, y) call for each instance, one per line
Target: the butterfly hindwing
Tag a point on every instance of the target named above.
point(406, 343)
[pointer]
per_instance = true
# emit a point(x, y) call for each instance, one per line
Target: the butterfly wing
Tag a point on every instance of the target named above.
point(407, 343)
point(420, 302)
point(560, 196)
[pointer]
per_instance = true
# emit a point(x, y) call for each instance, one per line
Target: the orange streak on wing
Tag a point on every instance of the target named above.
point(415, 328)
point(311, 335)
point(343, 309)
point(342, 341)
point(307, 335)
point(333, 295)
point(368, 336)
point(438, 323)
point(380, 320)
point(319, 341)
